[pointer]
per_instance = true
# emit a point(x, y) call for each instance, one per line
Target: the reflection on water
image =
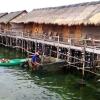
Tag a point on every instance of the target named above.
point(18, 84)
point(10, 53)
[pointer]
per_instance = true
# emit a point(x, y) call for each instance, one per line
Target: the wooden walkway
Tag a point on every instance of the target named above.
point(91, 49)
point(84, 46)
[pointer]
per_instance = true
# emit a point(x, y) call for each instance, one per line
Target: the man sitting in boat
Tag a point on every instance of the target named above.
point(35, 60)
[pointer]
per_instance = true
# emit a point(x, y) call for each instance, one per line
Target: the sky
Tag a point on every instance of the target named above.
point(18, 5)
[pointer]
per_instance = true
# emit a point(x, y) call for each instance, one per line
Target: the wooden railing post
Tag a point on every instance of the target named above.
point(22, 42)
point(43, 50)
point(83, 56)
point(68, 54)
point(10, 42)
point(93, 55)
point(58, 48)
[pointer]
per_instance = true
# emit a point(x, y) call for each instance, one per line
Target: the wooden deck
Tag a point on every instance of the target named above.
point(83, 45)
point(92, 49)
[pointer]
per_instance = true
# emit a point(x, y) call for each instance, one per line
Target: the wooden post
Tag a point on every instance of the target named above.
point(2, 39)
point(16, 43)
point(24, 45)
point(22, 42)
point(93, 55)
point(43, 50)
point(35, 45)
point(68, 54)
point(58, 48)
point(27, 47)
point(50, 51)
point(5, 40)
point(93, 63)
point(98, 60)
point(10, 42)
point(32, 46)
point(83, 56)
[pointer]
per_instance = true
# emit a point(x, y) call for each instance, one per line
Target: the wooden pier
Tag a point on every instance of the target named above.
point(83, 54)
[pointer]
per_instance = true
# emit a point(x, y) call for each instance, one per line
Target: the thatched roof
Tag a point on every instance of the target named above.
point(84, 13)
point(3, 14)
point(10, 16)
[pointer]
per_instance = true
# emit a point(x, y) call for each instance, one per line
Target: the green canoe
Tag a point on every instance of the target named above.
point(13, 62)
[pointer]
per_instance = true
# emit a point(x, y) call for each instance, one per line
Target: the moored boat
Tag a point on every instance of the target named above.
point(51, 66)
point(12, 62)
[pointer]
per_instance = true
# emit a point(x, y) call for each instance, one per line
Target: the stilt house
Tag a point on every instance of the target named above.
point(74, 21)
point(1, 26)
point(8, 27)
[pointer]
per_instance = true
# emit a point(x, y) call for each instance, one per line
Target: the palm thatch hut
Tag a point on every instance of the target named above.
point(77, 21)
point(1, 15)
point(5, 21)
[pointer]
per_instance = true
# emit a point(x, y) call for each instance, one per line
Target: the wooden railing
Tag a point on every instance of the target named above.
point(89, 42)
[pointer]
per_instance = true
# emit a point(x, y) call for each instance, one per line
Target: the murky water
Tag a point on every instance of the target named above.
point(18, 84)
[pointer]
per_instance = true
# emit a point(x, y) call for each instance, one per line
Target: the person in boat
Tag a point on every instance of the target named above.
point(3, 60)
point(35, 60)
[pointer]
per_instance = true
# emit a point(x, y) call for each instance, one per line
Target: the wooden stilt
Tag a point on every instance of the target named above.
point(58, 48)
point(83, 57)
point(68, 54)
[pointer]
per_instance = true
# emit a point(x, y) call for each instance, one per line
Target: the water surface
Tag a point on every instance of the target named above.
point(19, 84)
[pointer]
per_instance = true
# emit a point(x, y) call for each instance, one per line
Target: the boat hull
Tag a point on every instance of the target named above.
point(48, 67)
point(53, 67)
